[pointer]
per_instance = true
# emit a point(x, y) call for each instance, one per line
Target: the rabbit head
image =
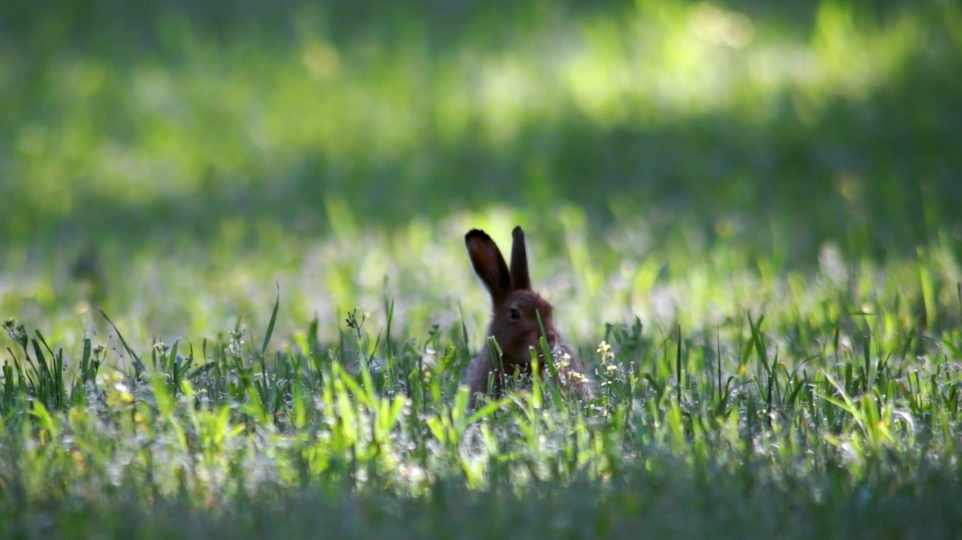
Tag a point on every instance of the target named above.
point(515, 307)
point(516, 310)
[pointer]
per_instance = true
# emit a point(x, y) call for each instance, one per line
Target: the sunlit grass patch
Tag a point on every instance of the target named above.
point(815, 396)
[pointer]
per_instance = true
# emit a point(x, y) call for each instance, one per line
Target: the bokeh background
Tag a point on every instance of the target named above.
point(175, 162)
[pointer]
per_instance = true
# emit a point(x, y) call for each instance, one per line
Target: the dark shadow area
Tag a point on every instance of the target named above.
point(876, 174)
point(119, 29)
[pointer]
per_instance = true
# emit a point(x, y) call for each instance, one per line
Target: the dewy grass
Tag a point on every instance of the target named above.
point(764, 423)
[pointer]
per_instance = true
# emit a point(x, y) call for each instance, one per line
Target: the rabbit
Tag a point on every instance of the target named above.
point(514, 322)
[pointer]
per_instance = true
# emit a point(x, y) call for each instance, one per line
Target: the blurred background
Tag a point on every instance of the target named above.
point(174, 162)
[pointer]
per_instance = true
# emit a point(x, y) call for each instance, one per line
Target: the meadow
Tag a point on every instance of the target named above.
point(237, 301)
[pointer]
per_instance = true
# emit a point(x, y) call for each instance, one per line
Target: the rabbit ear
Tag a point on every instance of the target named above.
point(488, 264)
point(520, 279)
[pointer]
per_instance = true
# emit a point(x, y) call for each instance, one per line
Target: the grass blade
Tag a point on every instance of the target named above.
point(270, 326)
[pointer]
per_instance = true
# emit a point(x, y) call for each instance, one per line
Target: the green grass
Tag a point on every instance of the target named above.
point(832, 411)
point(754, 207)
point(162, 115)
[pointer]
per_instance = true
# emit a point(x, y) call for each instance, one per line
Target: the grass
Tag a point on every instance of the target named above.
point(395, 117)
point(240, 304)
point(831, 410)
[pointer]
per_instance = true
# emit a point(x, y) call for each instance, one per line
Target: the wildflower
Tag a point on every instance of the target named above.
point(116, 390)
point(607, 357)
point(235, 345)
point(563, 362)
point(16, 332)
point(605, 351)
point(355, 322)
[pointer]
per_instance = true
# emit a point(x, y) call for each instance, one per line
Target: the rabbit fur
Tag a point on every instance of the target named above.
point(514, 321)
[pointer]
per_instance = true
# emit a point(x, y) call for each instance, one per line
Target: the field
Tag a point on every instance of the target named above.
point(238, 303)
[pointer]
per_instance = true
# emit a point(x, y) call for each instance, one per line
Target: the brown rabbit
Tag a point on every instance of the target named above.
point(514, 322)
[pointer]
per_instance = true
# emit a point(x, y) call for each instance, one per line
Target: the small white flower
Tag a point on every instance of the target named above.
point(605, 351)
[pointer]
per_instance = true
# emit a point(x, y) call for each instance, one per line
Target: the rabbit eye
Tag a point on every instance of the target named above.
point(515, 314)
